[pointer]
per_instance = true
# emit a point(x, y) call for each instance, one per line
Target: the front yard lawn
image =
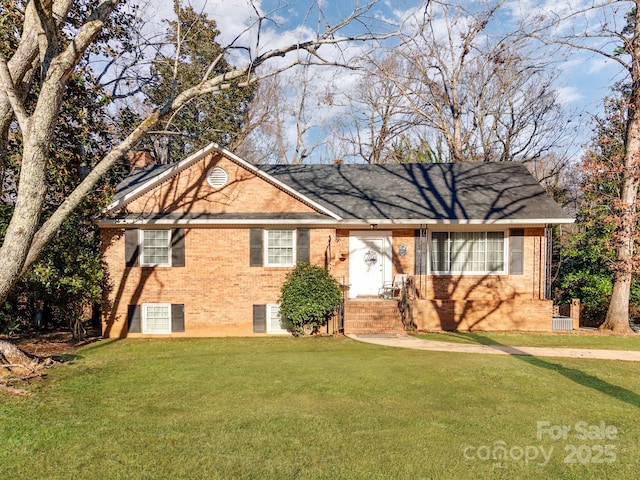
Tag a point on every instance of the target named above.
point(320, 408)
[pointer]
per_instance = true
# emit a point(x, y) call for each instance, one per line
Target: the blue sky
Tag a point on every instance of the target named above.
point(584, 81)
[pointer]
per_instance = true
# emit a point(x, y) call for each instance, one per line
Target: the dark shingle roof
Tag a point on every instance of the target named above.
point(422, 192)
point(138, 177)
point(443, 191)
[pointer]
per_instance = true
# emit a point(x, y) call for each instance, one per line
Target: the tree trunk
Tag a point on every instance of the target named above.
point(617, 318)
point(25, 218)
point(14, 360)
point(37, 129)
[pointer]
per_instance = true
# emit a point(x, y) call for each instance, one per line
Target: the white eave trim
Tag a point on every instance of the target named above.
point(111, 223)
point(191, 159)
point(377, 224)
point(533, 221)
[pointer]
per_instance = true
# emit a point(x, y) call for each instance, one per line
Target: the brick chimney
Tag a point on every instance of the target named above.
point(338, 161)
point(140, 159)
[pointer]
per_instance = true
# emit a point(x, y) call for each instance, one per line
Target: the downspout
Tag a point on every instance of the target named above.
point(423, 253)
point(548, 259)
point(327, 256)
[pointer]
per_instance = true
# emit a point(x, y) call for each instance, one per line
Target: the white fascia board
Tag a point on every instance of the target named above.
point(378, 224)
point(115, 223)
point(523, 222)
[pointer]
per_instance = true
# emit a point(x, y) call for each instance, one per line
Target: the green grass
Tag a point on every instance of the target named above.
point(559, 340)
point(313, 408)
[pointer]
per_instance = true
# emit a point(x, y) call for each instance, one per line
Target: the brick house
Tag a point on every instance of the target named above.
point(202, 247)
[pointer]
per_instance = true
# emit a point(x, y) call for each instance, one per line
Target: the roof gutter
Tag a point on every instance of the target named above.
point(505, 221)
point(355, 223)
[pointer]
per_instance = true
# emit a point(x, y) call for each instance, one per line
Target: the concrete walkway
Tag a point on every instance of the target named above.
point(407, 341)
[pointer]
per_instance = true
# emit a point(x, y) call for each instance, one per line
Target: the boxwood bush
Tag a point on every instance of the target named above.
point(308, 297)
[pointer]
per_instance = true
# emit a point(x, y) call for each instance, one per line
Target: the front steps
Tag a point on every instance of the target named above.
point(371, 316)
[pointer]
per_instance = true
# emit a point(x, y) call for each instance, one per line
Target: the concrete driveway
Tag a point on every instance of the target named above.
point(407, 341)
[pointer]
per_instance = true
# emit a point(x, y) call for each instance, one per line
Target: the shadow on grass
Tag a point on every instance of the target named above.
point(573, 374)
point(66, 358)
point(101, 343)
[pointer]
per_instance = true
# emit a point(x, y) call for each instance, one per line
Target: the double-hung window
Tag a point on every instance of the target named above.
point(156, 318)
point(156, 247)
point(280, 248)
point(467, 252)
point(275, 323)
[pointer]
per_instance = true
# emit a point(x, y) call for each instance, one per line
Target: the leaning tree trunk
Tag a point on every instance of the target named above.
point(37, 128)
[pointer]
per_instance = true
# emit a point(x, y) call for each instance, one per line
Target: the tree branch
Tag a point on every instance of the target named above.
point(16, 104)
point(63, 65)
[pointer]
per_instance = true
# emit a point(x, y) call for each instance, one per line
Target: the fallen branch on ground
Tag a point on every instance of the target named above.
point(16, 391)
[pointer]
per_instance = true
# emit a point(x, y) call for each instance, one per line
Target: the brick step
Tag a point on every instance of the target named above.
point(372, 316)
point(373, 311)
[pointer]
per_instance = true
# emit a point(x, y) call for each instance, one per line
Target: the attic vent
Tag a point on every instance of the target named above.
point(217, 177)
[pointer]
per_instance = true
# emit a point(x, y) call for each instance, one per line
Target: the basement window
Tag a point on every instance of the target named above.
point(156, 318)
point(275, 323)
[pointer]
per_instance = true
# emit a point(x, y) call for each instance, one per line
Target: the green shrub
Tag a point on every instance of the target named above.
point(308, 297)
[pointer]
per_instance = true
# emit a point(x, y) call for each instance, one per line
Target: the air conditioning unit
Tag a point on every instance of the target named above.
point(562, 323)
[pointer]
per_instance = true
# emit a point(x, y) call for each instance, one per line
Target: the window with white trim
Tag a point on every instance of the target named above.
point(156, 318)
point(156, 247)
point(468, 252)
point(280, 248)
point(275, 323)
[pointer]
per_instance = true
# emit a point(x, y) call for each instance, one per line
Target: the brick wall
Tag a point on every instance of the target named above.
point(479, 315)
point(219, 288)
point(217, 285)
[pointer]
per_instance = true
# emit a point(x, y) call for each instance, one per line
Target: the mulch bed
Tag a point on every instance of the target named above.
point(49, 343)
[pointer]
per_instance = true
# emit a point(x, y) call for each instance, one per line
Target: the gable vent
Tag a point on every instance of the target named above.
point(217, 177)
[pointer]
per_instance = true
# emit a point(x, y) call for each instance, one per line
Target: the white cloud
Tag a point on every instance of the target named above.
point(232, 16)
point(568, 95)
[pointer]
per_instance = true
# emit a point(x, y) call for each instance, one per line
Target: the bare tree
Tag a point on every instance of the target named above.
point(280, 126)
point(483, 95)
point(41, 57)
point(376, 114)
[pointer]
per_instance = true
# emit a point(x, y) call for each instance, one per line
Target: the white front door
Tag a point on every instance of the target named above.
point(369, 262)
